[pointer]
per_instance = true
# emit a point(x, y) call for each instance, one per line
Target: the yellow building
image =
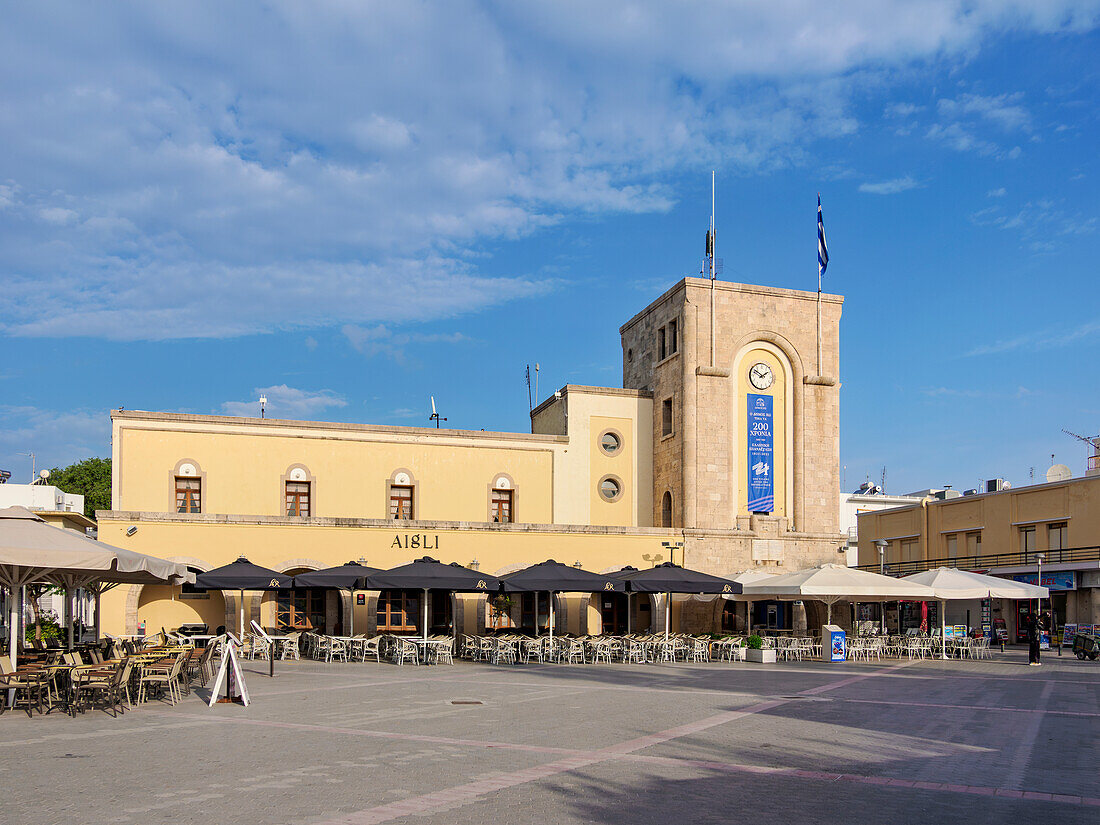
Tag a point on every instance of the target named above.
point(1005, 533)
point(607, 477)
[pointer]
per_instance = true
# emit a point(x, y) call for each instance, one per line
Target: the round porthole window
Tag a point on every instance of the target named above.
point(611, 488)
point(611, 442)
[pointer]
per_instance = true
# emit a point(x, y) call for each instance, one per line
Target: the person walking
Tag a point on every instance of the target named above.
point(1034, 630)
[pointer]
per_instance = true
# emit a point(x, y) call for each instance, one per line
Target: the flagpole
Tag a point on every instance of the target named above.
point(819, 370)
point(712, 254)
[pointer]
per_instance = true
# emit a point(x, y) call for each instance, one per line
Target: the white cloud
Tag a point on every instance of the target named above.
point(381, 340)
point(1003, 110)
point(902, 109)
point(341, 167)
point(286, 402)
point(56, 437)
point(889, 187)
point(996, 193)
point(1043, 340)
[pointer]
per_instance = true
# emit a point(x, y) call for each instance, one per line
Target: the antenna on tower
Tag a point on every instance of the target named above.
point(435, 415)
point(1093, 441)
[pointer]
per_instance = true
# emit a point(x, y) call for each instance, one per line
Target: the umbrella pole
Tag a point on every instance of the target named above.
point(943, 629)
point(551, 622)
point(68, 613)
point(351, 612)
point(96, 625)
point(242, 617)
point(627, 614)
point(668, 610)
point(828, 612)
point(425, 615)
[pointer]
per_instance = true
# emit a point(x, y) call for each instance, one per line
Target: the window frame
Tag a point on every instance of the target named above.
point(617, 481)
point(402, 478)
point(495, 511)
point(394, 513)
point(1061, 529)
point(386, 599)
point(671, 519)
point(189, 494)
point(668, 417)
point(197, 475)
point(298, 496)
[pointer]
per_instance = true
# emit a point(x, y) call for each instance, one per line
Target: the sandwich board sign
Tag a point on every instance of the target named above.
point(229, 673)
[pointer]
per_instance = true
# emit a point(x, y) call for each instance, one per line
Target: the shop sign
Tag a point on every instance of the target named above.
point(415, 541)
point(1053, 580)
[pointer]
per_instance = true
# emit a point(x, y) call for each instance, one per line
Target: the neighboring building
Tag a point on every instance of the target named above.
point(1002, 533)
point(868, 498)
point(608, 477)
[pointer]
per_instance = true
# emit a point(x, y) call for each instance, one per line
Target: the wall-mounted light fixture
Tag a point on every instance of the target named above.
point(131, 530)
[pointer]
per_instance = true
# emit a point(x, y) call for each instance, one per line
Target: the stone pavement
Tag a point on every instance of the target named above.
point(988, 741)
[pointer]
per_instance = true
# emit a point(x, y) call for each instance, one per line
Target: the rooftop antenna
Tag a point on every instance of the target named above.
point(1094, 443)
point(536, 379)
point(263, 404)
point(435, 416)
point(34, 470)
point(530, 403)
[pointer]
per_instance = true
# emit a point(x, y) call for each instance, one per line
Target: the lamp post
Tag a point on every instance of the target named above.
point(882, 544)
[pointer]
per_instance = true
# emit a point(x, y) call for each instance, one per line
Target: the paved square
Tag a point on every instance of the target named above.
point(988, 741)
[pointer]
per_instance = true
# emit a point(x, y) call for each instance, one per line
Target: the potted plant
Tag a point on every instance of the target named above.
point(756, 652)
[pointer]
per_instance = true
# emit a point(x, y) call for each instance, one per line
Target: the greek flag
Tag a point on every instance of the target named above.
point(822, 248)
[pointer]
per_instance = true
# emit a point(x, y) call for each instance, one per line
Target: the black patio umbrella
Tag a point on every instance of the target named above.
point(430, 574)
point(671, 578)
point(554, 577)
point(243, 575)
point(343, 577)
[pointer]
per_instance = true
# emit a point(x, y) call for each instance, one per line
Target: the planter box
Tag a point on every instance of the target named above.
point(762, 656)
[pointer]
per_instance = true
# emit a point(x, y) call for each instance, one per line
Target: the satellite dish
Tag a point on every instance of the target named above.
point(1059, 472)
point(44, 474)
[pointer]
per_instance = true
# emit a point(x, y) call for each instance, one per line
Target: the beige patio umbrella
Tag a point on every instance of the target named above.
point(949, 584)
point(747, 577)
point(831, 583)
point(33, 551)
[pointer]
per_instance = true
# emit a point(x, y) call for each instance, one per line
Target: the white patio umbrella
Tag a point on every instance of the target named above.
point(33, 551)
point(950, 584)
point(746, 577)
point(831, 583)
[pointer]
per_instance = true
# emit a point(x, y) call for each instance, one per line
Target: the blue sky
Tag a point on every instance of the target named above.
point(353, 206)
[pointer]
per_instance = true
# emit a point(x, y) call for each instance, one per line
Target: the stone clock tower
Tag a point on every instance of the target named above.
point(746, 421)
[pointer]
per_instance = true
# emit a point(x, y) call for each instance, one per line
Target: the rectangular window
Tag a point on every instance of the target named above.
point(188, 495)
point(398, 611)
point(666, 417)
point(952, 547)
point(973, 545)
point(401, 502)
point(297, 498)
point(1027, 540)
point(1056, 536)
point(501, 507)
point(661, 344)
point(910, 550)
point(672, 338)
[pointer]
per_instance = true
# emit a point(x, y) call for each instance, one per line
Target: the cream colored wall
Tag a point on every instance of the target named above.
point(243, 473)
point(276, 546)
point(781, 425)
point(161, 606)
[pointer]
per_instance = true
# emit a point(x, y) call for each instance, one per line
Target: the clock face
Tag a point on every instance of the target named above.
point(761, 376)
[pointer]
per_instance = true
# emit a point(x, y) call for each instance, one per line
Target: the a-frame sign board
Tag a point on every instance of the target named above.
point(229, 672)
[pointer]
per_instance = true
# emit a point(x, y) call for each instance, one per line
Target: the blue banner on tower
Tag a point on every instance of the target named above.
point(761, 455)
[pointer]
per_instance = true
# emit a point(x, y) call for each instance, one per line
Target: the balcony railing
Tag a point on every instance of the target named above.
point(990, 561)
